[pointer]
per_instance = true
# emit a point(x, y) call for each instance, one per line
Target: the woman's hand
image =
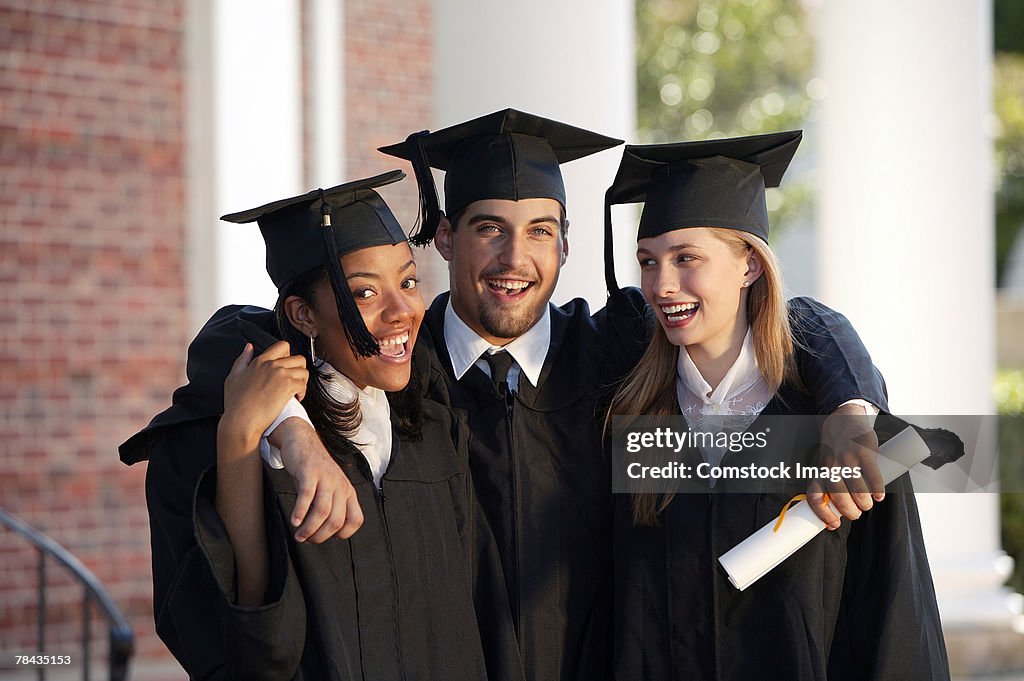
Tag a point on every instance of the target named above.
point(256, 390)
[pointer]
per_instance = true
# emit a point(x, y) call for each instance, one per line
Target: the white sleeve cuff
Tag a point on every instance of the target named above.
point(270, 453)
point(869, 409)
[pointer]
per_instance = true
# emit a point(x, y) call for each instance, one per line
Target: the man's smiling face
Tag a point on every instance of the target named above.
point(504, 258)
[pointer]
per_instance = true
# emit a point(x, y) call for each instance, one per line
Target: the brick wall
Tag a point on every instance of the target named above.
point(389, 82)
point(93, 319)
point(92, 299)
point(389, 93)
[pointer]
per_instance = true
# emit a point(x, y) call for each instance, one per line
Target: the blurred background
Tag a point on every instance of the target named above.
point(128, 126)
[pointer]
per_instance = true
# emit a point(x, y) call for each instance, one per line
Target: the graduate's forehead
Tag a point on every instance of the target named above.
point(505, 211)
point(689, 238)
point(376, 262)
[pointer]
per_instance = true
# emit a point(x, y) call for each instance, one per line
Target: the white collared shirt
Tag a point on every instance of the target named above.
point(466, 348)
point(742, 391)
point(741, 395)
point(373, 437)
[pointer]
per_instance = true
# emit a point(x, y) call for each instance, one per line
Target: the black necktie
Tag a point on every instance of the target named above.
point(500, 363)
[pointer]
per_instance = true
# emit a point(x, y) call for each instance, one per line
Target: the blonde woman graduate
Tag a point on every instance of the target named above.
point(237, 596)
point(856, 603)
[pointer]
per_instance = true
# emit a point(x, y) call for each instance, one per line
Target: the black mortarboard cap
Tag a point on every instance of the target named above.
point(505, 155)
point(711, 183)
point(314, 229)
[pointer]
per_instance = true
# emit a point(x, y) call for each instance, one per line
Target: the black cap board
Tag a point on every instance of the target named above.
point(504, 155)
point(317, 228)
point(710, 183)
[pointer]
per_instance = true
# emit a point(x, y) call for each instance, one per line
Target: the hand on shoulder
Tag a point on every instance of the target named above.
point(257, 388)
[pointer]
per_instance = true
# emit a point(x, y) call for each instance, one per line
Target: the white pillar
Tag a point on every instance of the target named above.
point(571, 60)
point(325, 25)
point(906, 240)
point(245, 141)
point(200, 242)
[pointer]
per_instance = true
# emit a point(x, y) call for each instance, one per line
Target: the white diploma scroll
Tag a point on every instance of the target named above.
point(759, 553)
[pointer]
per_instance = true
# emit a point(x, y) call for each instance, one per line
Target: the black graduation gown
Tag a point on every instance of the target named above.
point(857, 603)
point(543, 481)
point(392, 602)
point(537, 464)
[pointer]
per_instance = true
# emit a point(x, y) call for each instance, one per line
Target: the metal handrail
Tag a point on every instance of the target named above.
point(122, 640)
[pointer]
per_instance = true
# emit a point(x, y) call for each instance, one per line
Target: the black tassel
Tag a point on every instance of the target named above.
point(609, 251)
point(429, 216)
point(359, 337)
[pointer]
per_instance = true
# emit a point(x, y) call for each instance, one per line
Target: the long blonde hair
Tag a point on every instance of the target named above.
point(649, 389)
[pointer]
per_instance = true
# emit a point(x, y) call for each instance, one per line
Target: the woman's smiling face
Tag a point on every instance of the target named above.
point(384, 284)
point(695, 282)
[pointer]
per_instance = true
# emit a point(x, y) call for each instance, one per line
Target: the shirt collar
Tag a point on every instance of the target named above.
point(465, 347)
point(743, 373)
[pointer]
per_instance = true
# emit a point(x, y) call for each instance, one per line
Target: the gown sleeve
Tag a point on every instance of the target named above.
point(194, 572)
point(210, 356)
point(626, 322)
point(832, 361)
point(888, 623)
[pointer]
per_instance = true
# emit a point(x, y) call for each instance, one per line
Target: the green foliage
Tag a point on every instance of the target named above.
point(1008, 92)
point(718, 68)
point(1011, 504)
point(724, 67)
point(1008, 392)
point(1008, 87)
point(1008, 20)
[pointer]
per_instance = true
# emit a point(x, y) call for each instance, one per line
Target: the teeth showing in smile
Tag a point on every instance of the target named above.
point(679, 312)
point(394, 340)
point(511, 286)
point(393, 346)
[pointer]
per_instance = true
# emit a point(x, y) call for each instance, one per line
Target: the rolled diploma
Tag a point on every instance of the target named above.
point(759, 553)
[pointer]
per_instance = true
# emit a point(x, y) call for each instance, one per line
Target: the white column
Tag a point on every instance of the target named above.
point(906, 245)
point(245, 140)
point(325, 25)
point(571, 60)
point(201, 241)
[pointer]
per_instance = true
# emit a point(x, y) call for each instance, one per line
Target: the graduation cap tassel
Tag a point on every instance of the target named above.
point(429, 216)
point(609, 251)
point(359, 336)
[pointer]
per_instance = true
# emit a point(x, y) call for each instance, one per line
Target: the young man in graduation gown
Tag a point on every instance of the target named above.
point(529, 379)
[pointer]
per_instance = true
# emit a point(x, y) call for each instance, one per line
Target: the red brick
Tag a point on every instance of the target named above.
point(93, 317)
point(92, 129)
